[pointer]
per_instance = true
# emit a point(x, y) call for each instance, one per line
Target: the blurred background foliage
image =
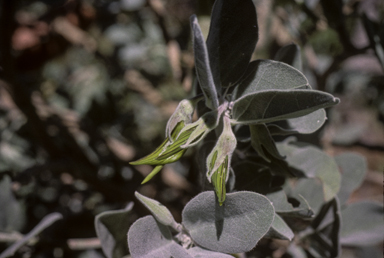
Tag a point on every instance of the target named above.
point(88, 85)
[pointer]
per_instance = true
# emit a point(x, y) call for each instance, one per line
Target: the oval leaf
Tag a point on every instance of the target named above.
point(147, 239)
point(309, 123)
point(270, 75)
point(362, 224)
point(159, 211)
point(197, 252)
point(231, 40)
point(314, 163)
point(203, 69)
point(234, 227)
point(274, 105)
point(111, 229)
point(280, 230)
point(291, 55)
point(352, 167)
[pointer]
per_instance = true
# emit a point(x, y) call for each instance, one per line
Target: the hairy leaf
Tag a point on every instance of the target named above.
point(234, 227)
point(314, 163)
point(264, 75)
point(147, 238)
point(11, 215)
point(285, 208)
point(280, 230)
point(159, 211)
point(274, 105)
point(352, 167)
point(203, 68)
point(362, 224)
point(198, 252)
point(232, 39)
point(291, 55)
point(309, 123)
point(111, 229)
point(262, 141)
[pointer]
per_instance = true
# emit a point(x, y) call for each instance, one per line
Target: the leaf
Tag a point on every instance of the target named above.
point(325, 239)
point(280, 230)
point(314, 163)
point(291, 55)
point(264, 75)
point(232, 38)
point(375, 33)
point(273, 105)
point(252, 176)
point(309, 123)
point(311, 190)
point(235, 227)
point(285, 208)
point(111, 228)
point(296, 251)
point(11, 215)
point(198, 252)
point(47, 221)
point(147, 238)
point(159, 211)
point(262, 141)
point(203, 68)
point(352, 167)
point(362, 224)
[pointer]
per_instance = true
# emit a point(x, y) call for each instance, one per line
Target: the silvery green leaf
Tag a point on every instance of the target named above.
point(280, 230)
point(296, 251)
point(262, 142)
point(273, 105)
point(198, 252)
point(352, 167)
point(325, 240)
point(309, 123)
point(362, 224)
point(252, 176)
point(232, 39)
point(203, 68)
point(111, 228)
point(148, 238)
point(264, 75)
point(311, 189)
point(12, 213)
point(234, 227)
point(159, 211)
point(291, 55)
point(314, 163)
point(285, 208)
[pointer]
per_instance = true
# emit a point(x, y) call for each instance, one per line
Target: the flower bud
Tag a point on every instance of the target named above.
point(218, 161)
point(168, 151)
point(200, 128)
point(183, 113)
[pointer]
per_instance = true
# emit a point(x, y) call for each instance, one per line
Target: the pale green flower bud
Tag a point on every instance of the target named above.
point(183, 113)
point(201, 128)
point(219, 160)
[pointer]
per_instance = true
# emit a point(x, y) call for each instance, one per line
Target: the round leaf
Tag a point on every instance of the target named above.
point(234, 227)
point(362, 224)
point(147, 239)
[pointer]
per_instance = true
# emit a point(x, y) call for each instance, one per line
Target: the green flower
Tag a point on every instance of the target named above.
point(219, 160)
